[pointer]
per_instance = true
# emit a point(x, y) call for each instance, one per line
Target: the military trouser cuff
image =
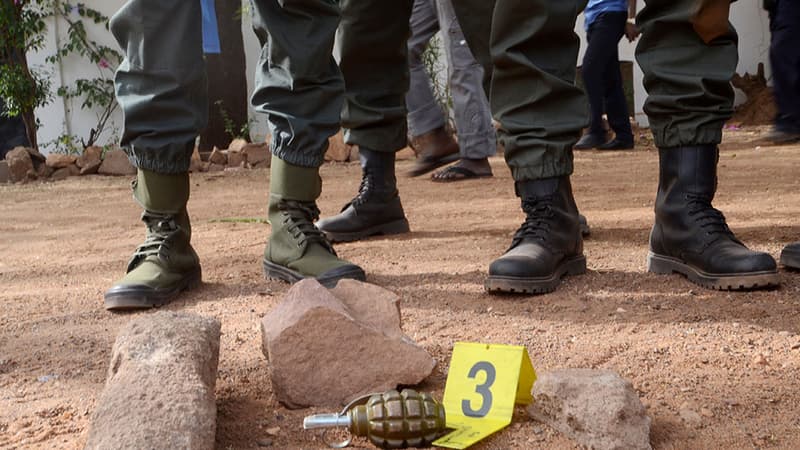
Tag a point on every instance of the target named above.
point(676, 137)
point(383, 139)
point(293, 182)
point(168, 159)
point(547, 169)
point(301, 159)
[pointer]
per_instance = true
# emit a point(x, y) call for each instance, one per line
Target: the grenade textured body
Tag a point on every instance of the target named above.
point(399, 419)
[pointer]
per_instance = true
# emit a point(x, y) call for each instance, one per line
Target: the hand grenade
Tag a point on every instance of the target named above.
point(389, 420)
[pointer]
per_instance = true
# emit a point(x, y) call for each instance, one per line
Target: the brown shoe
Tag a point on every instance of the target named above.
point(434, 149)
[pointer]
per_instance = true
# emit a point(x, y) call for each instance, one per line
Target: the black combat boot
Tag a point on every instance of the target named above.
point(790, 256)
point(691, 237)
point(547, 246)
point(376, 209)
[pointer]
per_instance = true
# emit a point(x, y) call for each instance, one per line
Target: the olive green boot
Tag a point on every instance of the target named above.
point(297, 249)
point(165, 264)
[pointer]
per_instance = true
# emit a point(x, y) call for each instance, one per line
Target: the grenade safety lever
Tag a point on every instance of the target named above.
point(389, 420)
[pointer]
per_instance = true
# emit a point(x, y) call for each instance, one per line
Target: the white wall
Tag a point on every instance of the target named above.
point(66, 117)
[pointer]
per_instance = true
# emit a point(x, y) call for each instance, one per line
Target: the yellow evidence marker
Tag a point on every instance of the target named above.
point(483, 384)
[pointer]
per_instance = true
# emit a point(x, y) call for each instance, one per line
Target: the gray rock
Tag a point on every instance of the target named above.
point(159, 390)
point(90, 169)
point(116, 163)
point(19, 164)
point(60, 174)
point(596, 408)
point(326, 347)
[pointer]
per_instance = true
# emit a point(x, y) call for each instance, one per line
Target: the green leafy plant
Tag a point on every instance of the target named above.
point(437, 72)
point(232, 129)
point(23, 88)
point(95, 93)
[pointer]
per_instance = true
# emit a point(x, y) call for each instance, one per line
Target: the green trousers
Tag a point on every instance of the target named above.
point(373, 55)
point(161, 85)
point(529, 50)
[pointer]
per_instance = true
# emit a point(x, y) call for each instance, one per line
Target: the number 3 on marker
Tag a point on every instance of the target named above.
point(482, 389)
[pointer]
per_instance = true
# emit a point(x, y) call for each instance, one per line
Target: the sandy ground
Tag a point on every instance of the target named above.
point(733, 358)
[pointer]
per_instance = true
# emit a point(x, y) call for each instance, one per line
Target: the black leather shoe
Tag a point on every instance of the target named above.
point(616, 144)
point(376, 210)
point(790, 256)
point(691, 237)
point(547, 246)
point(589, 141)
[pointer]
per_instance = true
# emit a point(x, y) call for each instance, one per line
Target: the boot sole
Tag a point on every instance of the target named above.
point(396, 227)
point(790, 259)
point(666, 265)
point(536, 285)
point(274, 271)
point(128, 299)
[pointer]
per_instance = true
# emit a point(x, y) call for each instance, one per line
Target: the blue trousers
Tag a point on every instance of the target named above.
point(785, 58)
point(602, 78)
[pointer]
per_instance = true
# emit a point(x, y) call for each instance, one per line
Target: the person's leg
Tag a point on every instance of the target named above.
point(616, 105)
point(427, 129)
point(373, 55)
point(541, 113)
point(595, 63)
point(690, 98)
point(300, 88)
point(785, 59)
point(473, 118)
point(162, 92)
point(424, 112)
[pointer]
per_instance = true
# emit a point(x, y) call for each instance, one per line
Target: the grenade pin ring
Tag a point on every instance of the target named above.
point(345, 443)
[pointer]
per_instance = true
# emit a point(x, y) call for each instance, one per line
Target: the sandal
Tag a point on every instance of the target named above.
point(457, 173)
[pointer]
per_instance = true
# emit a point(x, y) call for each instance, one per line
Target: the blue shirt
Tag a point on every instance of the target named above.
point(597, 7)
point(210, 30)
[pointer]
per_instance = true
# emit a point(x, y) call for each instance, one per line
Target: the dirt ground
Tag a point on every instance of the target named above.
point(731, 358)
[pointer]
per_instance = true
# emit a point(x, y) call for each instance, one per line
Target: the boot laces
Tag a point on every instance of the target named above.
point(365, 190)
point(300, 218)
point(160, 229)
point(538, 219)
point(710, 219)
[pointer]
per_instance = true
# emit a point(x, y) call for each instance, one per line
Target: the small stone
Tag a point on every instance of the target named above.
point(196, 163)
point(784, 334)
point(761, 360)
point(60, 174)
point(90, 169)
point(91, 156)
point(621, 310)
point(116, 162)
point(353, 153)
point(19, 164)
point(596, 408)
point(691, 418)
point(705, 412)
point(218, 157)
point(264, 442)
point(237, 145)
point(235, 159)
point(256, 154)
point(274, 431)
point(60, 160)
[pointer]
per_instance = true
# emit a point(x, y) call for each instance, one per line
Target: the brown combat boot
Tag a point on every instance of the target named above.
point(434, 149)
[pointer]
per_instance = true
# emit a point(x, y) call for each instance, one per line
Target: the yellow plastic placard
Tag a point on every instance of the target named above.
point(483, 384)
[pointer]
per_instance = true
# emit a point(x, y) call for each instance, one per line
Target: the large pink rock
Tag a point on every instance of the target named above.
point(327, 347)
point(60, 160)
point(160, 387)
point(20, 164)
point(116, 162)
